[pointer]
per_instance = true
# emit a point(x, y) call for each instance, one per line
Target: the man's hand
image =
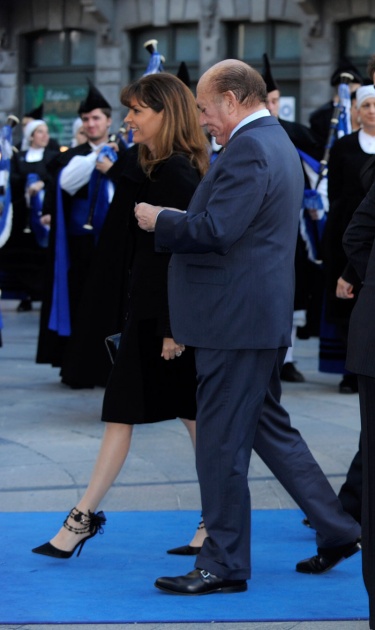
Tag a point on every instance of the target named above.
point(171, 349)
point(146, 215)
point(104, 165)
point(34, 188)
point(344, 290)
point(45, 220)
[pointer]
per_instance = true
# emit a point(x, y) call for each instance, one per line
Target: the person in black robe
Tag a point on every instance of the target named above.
point(23, 257)
point(304, 140)
point(35, 114)
point(71, 173)
point(320, 119)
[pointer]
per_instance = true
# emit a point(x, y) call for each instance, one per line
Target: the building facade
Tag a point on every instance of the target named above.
point(48, 48)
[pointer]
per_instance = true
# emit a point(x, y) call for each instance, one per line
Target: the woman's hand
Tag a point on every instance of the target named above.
point(171, 349)
point(344, 290)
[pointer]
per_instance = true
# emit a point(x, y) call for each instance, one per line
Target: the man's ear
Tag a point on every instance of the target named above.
point(230, 100)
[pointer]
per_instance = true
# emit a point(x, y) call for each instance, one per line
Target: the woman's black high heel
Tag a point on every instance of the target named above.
point(187, 550)
point(92, 524)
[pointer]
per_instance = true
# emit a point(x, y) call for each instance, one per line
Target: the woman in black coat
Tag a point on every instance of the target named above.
point(105, 302)
point(153, 377)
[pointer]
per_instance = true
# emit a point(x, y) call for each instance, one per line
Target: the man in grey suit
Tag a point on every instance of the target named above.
point(231, 287)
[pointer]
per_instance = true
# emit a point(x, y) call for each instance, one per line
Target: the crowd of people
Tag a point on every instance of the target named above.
point(203, 268)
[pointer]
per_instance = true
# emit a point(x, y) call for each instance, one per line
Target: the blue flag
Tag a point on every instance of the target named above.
point(155, 64)
point(35, 204)
point(6, 210)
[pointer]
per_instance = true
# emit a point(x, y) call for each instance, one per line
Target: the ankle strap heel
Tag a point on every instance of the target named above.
point(91, 524)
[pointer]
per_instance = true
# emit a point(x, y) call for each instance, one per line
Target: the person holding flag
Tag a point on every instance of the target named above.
point(321, 119)
point(306, 144)
point(6, 208)
point(24, 255)
point(76, 204)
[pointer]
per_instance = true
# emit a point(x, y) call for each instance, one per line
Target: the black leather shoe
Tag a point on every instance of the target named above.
point(199, 582)
point(328, 558)
point(185, 550)
point(290, 373)
point(349, 384)
point(25, 305)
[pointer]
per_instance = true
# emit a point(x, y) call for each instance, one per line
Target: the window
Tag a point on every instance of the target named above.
point(56, 66)
point(59, 49)
point(357, 42)
point(359, 39)
point(249, 41)
point(282, 43)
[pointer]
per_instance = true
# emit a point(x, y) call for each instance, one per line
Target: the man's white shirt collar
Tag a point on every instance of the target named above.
point(249, 119)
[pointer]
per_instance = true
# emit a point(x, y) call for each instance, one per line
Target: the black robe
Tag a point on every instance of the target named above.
point(51, 346)
point(345, 192)
point(22, 259)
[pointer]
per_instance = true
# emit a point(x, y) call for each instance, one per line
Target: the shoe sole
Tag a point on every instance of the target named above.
point(224, 589)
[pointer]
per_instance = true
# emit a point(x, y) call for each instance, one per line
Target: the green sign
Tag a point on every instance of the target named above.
point(60, 107)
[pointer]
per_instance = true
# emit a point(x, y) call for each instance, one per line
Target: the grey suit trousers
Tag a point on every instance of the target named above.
point(239, 409)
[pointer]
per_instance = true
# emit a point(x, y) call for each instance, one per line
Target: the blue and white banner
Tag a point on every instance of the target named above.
point(6, 210)
point(35, 204)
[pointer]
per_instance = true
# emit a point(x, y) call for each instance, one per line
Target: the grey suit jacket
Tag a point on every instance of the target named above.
point(359, 246)
point(231, 278)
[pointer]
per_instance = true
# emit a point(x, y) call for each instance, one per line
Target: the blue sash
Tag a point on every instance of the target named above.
point(59, 319)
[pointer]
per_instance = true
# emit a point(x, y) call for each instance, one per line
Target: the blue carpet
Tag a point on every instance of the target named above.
point(112, 580)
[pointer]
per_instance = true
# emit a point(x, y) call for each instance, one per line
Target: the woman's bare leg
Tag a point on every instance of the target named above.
point(200, 533)
point(112, 455)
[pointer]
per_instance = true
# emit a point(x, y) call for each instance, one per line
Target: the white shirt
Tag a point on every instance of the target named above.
point(245, 121)
point(366, 142)
point(34, 155)
point(78, 171)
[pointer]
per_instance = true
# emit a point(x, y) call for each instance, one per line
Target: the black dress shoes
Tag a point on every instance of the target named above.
point(199, 582)
point(328, 558)
point(290, 373)
point(25, 305)
point(349, 384)
point(185, 550)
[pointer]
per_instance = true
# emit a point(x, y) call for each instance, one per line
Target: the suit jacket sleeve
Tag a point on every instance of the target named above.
point(359, 236)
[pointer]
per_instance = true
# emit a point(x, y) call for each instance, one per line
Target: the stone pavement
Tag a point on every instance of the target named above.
point(50, 434)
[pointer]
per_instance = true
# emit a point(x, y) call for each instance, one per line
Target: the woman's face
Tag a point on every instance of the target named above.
point(40, 137)
point(367, 115)
point(80, 135)
point(144, 122)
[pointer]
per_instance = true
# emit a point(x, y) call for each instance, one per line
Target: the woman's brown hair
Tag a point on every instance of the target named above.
point(180, 132)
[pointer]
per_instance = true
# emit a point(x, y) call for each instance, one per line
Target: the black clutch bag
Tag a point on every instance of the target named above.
point(112, 343)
